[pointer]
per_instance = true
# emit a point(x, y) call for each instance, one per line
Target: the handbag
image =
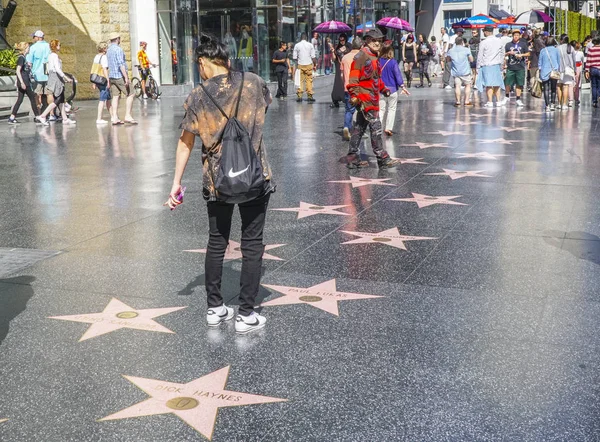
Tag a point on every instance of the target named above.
point(536, 88)
point(554, 74)
point(97, 74)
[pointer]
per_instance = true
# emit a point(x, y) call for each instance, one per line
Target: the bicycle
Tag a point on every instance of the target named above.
point(151, 86)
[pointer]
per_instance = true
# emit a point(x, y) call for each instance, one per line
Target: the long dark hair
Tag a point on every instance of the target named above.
point(211, 48)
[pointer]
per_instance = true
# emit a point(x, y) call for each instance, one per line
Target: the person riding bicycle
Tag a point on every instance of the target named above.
point(144, 65)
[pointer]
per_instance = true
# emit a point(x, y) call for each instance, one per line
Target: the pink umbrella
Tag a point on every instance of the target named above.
point(395, 23)
point(332, 27)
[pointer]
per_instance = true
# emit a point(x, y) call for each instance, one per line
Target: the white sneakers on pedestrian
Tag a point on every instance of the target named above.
point(565, 107)
point(217, 315)
point(346, 134)
point(250, 323)
point(68, 121)
point(489, 104)
point(448, 87)
point(503, 102)
point(42, 121)
point(520, 103)
point(101, 122)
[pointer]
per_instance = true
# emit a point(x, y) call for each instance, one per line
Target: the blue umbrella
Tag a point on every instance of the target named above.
point(477, 21)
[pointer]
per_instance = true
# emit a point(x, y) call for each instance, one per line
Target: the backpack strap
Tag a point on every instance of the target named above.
point(237, 106)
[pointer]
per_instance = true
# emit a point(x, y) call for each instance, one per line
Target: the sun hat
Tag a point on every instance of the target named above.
point(114, 35)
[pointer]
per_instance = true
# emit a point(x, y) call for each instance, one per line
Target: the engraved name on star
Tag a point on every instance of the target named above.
point(445, 133)
point(234, 251)
point(196, 403)
point(307, 209)
point(481, 155)
point(118, 315)
point(421, 145)
point(410, 160)
point(457, 174)
point(497, 141)
point(323, 296)
point(427, 200)
point(360, 182)
point(390, 237)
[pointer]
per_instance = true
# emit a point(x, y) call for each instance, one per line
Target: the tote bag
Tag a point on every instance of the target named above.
point(97, 73)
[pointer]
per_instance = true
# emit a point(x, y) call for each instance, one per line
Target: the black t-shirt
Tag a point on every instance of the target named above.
point(514, 63)
point(280, 55)
point(25, 70)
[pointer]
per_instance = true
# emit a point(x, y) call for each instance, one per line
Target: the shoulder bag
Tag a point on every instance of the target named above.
point(97, 74)
point(554, 74)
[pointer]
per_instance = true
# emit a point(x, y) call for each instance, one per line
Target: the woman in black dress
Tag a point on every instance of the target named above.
point(342, 48)
point(409, 56)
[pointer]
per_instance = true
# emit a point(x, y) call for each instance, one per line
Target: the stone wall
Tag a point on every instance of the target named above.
point(79, 25)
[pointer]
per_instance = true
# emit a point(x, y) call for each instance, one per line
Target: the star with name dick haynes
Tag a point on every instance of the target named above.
point(427, 200)
point(307, 209)
point(234, 251)
point(196, 403)
point(323, 296)
point(390, 237)
point(360, 182)
point(117, 315)
point(457, 174)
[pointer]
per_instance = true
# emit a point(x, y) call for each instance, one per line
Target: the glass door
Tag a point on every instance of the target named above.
point(267, 41)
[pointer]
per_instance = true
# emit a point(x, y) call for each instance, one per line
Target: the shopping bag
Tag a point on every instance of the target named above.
point(536, 88)
point(297, 79)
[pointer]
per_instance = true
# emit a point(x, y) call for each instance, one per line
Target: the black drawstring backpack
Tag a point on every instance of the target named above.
point(239, 177)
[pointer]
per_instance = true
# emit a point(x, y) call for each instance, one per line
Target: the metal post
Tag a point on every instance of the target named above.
point(411, 13)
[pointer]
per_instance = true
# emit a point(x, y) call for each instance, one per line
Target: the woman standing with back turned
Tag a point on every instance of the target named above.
point(204, 120)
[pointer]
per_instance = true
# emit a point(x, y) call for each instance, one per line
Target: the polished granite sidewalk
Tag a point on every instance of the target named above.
point(454, 298)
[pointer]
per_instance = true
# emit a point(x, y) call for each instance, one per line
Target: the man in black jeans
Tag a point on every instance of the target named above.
point(280, 60)
point(252, 214)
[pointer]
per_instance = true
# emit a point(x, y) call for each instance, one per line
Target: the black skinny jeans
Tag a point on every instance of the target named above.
point(253, 215)
point(424, 69)
point(549, 88)
point(281, 84)
point(31, 95)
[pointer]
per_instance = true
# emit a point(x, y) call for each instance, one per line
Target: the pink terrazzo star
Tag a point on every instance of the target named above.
point(196, 403)
point(481, 155)
point(427, 145)
point(426, 200)
point(497, 141)
point(457, 174)
point(410, 160)
point(234, 251)
point(360, 182)
point(390, 237)
point(323, 296)
point(118, 315)
point(445, 133)
point(307, 209)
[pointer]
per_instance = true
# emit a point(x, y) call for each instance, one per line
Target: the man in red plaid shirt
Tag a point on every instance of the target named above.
point(364, 87)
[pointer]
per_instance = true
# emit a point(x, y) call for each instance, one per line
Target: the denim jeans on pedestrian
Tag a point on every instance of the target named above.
point(595, 84)
point(253, 215)
point(349, 111)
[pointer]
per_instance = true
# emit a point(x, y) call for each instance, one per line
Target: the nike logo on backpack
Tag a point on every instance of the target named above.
point(233, 174)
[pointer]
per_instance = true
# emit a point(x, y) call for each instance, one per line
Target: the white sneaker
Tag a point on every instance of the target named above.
point(520, 103)
point(489, 104)
point(552, 107)
point(250, 323)
point(548, 109)
point(570, 103)
point(42, 121)
point(101, 122)
point(565, 107)
point(216, 315)
point(69, 121)
point(346, 133)
point(448, 87)
point(503, 102)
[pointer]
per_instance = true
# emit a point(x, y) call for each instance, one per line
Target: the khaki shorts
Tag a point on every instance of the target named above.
point(118, 88)
point(463, 80)
point(41, 88)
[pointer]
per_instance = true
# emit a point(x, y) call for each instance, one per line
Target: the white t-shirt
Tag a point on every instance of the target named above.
point(445, 41)
point(101, 59)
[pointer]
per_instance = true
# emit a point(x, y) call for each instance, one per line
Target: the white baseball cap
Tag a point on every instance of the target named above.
point(38, 34)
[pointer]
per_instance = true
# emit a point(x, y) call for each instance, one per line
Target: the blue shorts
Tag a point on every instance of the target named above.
point(104, 93)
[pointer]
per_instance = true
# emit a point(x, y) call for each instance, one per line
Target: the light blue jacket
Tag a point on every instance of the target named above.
point(38, 56)
point(549, 60)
